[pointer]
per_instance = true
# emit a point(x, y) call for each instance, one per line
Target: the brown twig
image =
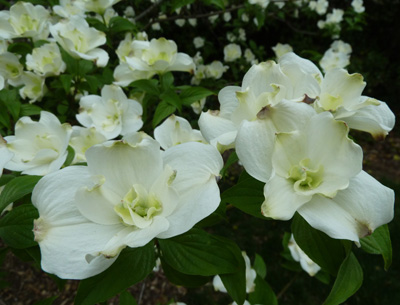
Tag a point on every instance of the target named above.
point(281, 293)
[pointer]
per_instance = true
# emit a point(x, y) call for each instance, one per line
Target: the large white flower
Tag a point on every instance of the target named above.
point(318, 159)
point(79, 40)
point(39, 147)
point(46, 60)
point(130, 193)
point(112, 113)
point(97, 6)
point(5, 154)
point(270, 93)
point(158, 56)
point(24, 20)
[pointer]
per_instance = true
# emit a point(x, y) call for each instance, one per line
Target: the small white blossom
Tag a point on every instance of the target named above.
point(198, 42)
point(232, 52)
point(46, 60)
point(281, 49)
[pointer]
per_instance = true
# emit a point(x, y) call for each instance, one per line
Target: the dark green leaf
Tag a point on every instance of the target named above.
point(260, 267)
point(147, 85)
point(194, 94)
point(30, 109)
point(379, 243)
point(94, 83)
point(16, 189)
point(131, 267)
point(182, 279)
point(21, 48)
point(66, 81)
point(247, 195)
point(233, 158)
point(125, 298)
point(39, 43)
point(172, 98)
point(163, 110)
point(348, 281)
point(167, 80)
point(328, 253)
point(235, 283)
point(199, 253)
point(16, 226)
point(70, 156)
point(85, 66)
point(97, 24)
point(119, 24)
point(11, 100)
point(263, 293)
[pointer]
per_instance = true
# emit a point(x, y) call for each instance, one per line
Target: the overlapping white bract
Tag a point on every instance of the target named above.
point(289, 126)
point(130, 193)
point(40, 147)
point(112, 113)
point(299, 256)
point(79, 40)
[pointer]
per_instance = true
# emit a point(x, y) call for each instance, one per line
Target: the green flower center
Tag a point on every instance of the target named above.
point(304, 177)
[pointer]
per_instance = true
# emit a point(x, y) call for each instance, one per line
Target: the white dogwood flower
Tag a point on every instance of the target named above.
point(80, 41)
point(39, 147)
point(176, 130)
point(25, 20)
point(232, 52)
point(5, 154)
point(34, 87)
point(82, 139)
point(46, 60)
point(112, 113)
point(130, 193)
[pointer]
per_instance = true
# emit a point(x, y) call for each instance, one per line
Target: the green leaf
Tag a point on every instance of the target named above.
point(260, 267)
point(94, 83)
point(70, 156)
point(328, 253)
point(218, 3)
point(131, 267)
point(247, 195)
point(193, 94)
point(16, 189)
point(21, 48)
point(163, 110)
point(11, 100)
point(125, 298)
point(85, 66)
point(167, 80)
point(97, 24)
point(199, 253)
point(30, 109)
point(147, 85)
point(118, 24)
point(66, 81)
point(235, 283)
point(16, 226)
point(348, 281)
point(172, 98)
point(379, 243)
point(182, 279)
point(263, 293)
point(48, 301)
point(175, 4)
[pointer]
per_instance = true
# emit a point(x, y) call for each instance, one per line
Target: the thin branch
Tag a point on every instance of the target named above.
point(282, 292)
point(148, 10)
point(293, 27)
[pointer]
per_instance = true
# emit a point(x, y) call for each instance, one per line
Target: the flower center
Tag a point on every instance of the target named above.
point(305, 178)
point(138, 207)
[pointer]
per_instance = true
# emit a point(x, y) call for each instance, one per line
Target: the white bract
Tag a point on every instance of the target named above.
point(337, 56)
point(46, 60)
point(112, 113)
point(176, 130)
point(130, 193)
point(340, 94)
point(34, 87)
point(5, 154)
point(80, 41)
point(10, 68)
point(69, 8)
point(24, 20)
point(299, 256)
point(97, 6)
point(82, 139)
point(39, 147)
point(281, 49)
